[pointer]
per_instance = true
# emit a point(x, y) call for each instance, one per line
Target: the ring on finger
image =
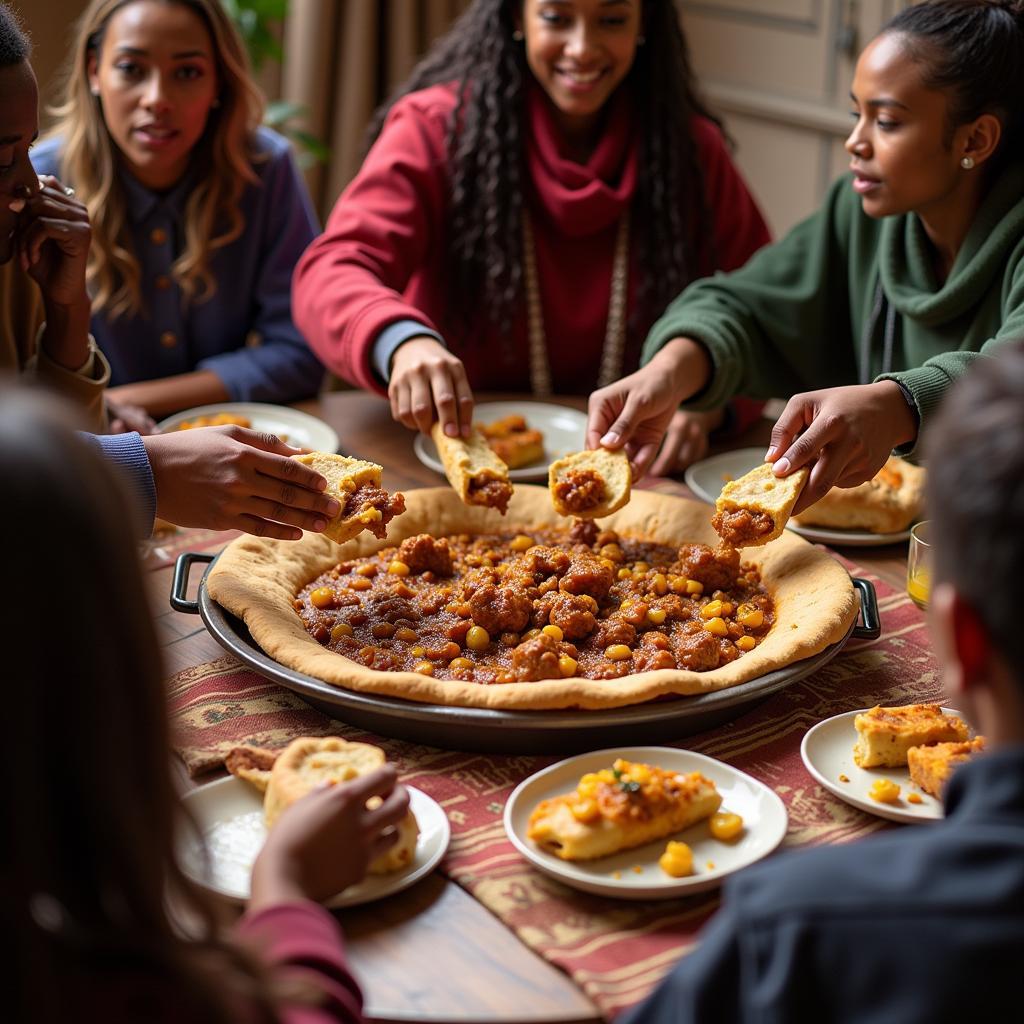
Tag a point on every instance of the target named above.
point(68, 191)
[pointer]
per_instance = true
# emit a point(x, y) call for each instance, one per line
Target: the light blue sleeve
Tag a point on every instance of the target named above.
point(128, 453)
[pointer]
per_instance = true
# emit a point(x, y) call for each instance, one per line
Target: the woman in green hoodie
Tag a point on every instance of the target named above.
point(867, 311)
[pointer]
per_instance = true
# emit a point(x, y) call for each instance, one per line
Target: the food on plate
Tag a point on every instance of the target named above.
point(451, 611)
point(307, 762)
point(931, 767)
point(885, 791)
point(591, 484)
point(887, 503)
point(621, 807)
point(218, 419)
point(755, 508)
point(356, 484)
point(725, 826)
point(515, 443)
point(677, 860)
point(477, 474)
point(884, 735)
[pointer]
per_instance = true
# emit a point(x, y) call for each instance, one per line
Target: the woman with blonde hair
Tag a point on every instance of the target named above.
point(198, 213)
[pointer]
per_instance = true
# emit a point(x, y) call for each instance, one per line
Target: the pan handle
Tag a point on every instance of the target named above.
point(179, 586)
point(872, 622)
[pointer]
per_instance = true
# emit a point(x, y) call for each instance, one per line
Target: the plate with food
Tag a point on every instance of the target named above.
point(891, 762)
point(528, 436)
point(231, 818)
point(880, 511)
point(699, 820)
point(291, 425)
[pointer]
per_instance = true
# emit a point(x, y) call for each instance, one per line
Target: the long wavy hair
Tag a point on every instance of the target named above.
point(671, 225)
point(222, 163)
point(94, 898)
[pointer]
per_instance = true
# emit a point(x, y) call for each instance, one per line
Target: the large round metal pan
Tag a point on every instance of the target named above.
point(509, 732)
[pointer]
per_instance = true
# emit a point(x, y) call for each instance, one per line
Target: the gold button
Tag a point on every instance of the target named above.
point(168, 339)
point(163, 282)
point(158, 236)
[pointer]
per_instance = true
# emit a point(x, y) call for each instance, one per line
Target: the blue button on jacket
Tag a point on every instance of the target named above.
point(244, 333)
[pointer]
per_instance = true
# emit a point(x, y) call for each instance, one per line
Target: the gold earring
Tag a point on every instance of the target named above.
point(967, 163)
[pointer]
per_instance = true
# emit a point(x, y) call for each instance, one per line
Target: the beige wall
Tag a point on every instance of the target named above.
point(50, 23)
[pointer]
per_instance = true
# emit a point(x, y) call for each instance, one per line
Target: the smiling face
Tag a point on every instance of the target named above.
point(580, 51)
point(903, 157)
point(19, 125)
point(155, 75)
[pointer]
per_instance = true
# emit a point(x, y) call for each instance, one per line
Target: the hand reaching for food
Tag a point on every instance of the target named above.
point(686, 440)
point(844, 435)
point(429, 383)
point(325, 841)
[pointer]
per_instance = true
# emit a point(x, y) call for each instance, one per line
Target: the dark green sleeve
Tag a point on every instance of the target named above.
point(782, 323)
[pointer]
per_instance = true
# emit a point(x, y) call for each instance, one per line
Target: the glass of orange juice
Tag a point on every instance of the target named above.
point(919, 564)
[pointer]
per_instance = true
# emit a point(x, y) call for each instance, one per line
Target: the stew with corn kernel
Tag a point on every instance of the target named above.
point(555, 603)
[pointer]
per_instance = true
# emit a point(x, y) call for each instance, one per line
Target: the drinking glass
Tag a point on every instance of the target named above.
point(919, 564)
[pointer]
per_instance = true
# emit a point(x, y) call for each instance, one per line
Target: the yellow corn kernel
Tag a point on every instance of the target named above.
point(406, 634)
point(397, 568)
point(746, 643)
point(477, 638)
point(521, 542)
point(607, 563)
point(418, 652)
point(553, 631)
point(750, 616)
point(460, 663)
point(725, 826)
point(612, 552)
point(640, 567)
point(340, 629)
point(369, 569)
point(531, 633)
point(711, 610)
point(656, 616)
point(914, 798)
point(694, 587)
point(322, 597)
point(551, 583)
point(382, 630)
point(885, 791)
point(591, 602)
point(618, 652)
point(717, 626)
point(567, 666)
point(424, 668)
point(640, 773)
point(585, 810)
point(677, 860)
point(624, 574)
point(359, 583)
point(370, 515)
point(660, 583)
point(728, 608)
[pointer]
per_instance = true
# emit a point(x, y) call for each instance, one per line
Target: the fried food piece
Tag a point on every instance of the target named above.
point(590, 484)
point(755, 508)
point(931, 767)
point(219, 419)
point(513, 441)
point(884, 735)
point(476, 473)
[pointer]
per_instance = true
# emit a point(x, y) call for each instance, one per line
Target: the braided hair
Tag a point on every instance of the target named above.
point(671, 224)
point(974, 49)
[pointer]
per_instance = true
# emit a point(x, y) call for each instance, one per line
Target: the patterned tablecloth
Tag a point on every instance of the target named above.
point(614, 950)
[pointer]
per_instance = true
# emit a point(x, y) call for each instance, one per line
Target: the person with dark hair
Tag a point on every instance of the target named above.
point(924, 924)
point(103, 922)
point(866, 312)
point(44, 246)
point(545, 181)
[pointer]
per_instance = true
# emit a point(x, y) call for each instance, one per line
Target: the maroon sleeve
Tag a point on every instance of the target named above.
point(348, 285)
point(302, 941)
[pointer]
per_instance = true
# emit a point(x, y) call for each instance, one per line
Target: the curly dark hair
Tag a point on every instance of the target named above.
point(671, 223)
point(15, 45)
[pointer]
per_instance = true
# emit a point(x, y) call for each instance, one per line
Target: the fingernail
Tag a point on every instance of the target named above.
point(333, 507)
point(319, 525)
point(611, 438)
point(466, 430)
point(768, 455)
point(16, 205)
point(451, 430)
point(782, 466)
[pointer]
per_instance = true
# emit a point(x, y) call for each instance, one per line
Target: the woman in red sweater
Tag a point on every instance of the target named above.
point(542, 186)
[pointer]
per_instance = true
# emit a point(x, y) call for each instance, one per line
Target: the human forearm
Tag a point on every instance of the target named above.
point(65, 338)
point(166, 395)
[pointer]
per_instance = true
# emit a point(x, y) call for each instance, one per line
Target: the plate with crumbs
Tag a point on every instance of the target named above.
point(564, 431)
point(229, 815)
point(827, 752)
point(635, 874)
point(707, 478)
point(291, 425)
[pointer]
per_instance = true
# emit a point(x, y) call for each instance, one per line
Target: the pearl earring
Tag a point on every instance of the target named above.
point(967, 163)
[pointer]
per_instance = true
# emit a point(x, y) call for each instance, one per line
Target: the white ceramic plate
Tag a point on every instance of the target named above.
point(764, 818)
point(229, 813)
point(296, 427)
point(564, 431)
point(707, 478)
point(827, 752)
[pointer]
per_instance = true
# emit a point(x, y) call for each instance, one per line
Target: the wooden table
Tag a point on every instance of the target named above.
point(432, 953)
